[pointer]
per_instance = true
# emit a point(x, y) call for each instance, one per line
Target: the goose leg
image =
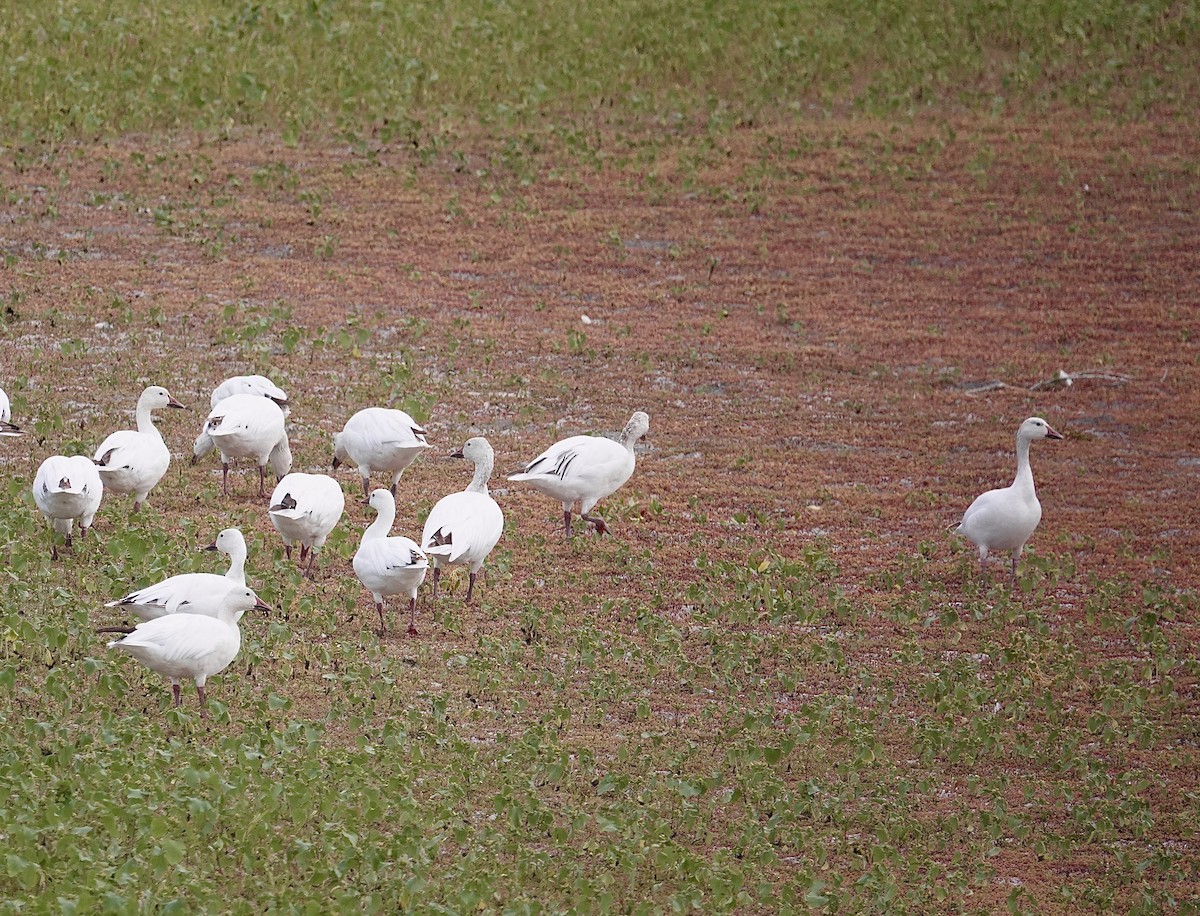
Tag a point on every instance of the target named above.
point(1016, 553)
point(287, 551)
point(262, 481)
point(470, 588)
point(412, 616)
point(203, 701)
point(367, 487)
point(382, 626)
point(224, 478)
point(53, 547)
point(137, 506)
point(308, 570)
point(567, 522)
point(437, 575)
point(175, 692)
point(303, 551)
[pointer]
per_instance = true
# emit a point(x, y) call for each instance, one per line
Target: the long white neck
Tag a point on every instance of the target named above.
point(145, 424)
point(237, 563)
point(382, 524)
point(483, 473)
point(1024, 479)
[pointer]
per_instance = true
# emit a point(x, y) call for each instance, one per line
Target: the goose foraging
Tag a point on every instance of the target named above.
point(306, 508)
point(192, 593)
point(1005, 518)
point(134, 461)
point(379, 439)
point(190, 645)
point(258, 385)
point(248, 426)
point(585, 469)
point(66, 489)
point(6, 427)
point(464, 527)
point(389, 565)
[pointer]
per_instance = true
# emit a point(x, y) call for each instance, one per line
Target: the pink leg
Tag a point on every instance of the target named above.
point(312, 556)
point(366, 488)
point(567, 522)
point(175, 692)
point(437, 575)
point(382, 625)
point(412, 616)
point(137, 506)
point(203, 702)
point(287, 551)
point(262, 482)
point(224, 478)
point(470, 588)
point(596, 520)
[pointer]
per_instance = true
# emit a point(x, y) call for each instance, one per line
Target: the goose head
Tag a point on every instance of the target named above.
point(228, 542)
point(475, 449)
point(339, 451)
point(1037, 428)
point(638, 426)
point(157, 396)
point(240, 600)
point(382, 501)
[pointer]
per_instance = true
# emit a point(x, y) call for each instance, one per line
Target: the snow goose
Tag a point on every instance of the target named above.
point(190, 645)
point(1004, 519)
point(305, 508)
point(585, 469)
point(249, 426)
point(133, 461)
point(192, 593)
point(66, 489)
point(464, 527)
point(389, 565)
point(6, 427)
point(379, 439)
point(258, 385)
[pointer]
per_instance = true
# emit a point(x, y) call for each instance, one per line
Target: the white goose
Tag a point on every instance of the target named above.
point(192, 593)
point(585, 469)
point(239, 384)
point(306, 508)
point(6, 427)
point(66, 489)
point(379, 439)
point(389, 565)
point(464, 527)
point(1004, 519)
point(249, 426)
point(191, 646)
point(133, 461)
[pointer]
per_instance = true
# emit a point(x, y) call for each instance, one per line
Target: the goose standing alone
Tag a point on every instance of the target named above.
point(133, 461)
point(306, 508)
point(389, 565)
point(379, 439)
point(249, 426)
point(464, 527)
point(585, 469)
point(6, 427)
point(66, 489)
point(258, 385)
point(191, 645)
point(192, 593)
point(1004, 519)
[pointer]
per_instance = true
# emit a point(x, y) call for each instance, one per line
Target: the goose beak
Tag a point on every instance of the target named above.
point(260, 605)
point(1051, 434)
point(212, 546)
point(335, 463)
point(366, 502)
point(174, 403)
point(457, 454)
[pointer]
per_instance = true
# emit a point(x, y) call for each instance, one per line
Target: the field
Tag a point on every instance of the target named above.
point(836, 270)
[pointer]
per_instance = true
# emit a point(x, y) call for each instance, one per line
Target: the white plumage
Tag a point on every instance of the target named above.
point(258, 385)
point(249, 426)
point(379, 439)
point(389, 565)
point(66, 489)
point(585, 469)
point(305, 508)
point(1004, 519)
point(7, 428)
point(464, 527)
point(133, 461)
point(192, 593)
point(189, 645)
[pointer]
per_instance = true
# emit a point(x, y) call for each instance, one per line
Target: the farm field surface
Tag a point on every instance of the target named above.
point(780, 684)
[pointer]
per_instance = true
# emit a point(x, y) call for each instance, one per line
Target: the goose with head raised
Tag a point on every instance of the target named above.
point(134, 461)
point(249, 426)
point(192, 593)
point(464, 527)
point(379, 439)
point(305, 508)
point(584, 469)
point(190, 645)
point(389, 565)
point(65, 490)
point(1005, 518)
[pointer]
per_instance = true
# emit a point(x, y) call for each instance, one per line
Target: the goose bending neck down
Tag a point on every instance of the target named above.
point(1005, 518)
